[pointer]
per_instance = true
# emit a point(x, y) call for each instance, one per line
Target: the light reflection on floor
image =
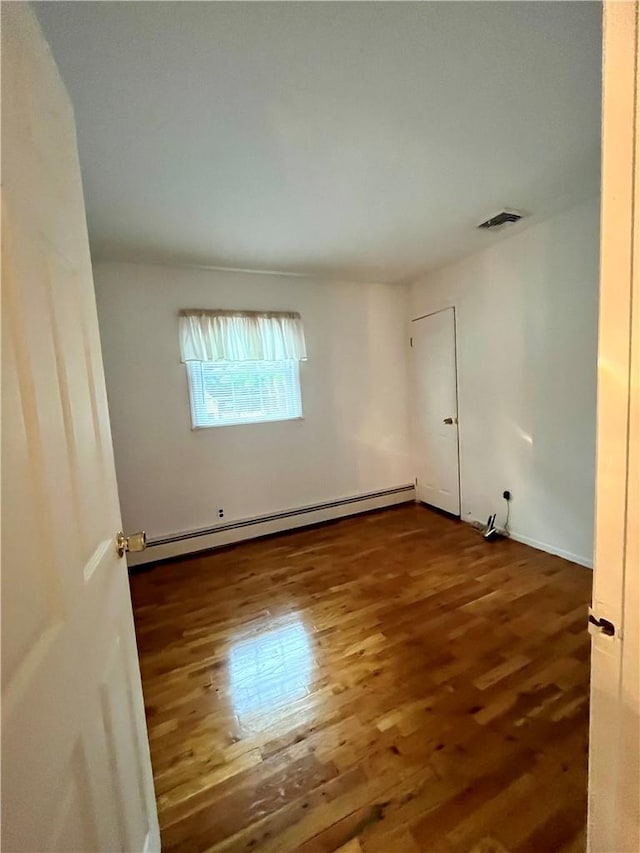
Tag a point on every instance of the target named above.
point(269, 671)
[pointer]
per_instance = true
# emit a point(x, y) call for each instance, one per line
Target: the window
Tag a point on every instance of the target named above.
point(243, 392)
point(242, 366)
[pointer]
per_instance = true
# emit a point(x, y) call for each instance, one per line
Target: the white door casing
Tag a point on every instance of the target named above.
point(435, 410)
point(76, 772)
point(614, 736)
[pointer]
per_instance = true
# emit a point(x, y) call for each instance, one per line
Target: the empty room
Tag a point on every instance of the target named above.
point(320, 427)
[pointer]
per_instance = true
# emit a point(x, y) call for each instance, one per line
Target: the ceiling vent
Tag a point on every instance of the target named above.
point(501, 219)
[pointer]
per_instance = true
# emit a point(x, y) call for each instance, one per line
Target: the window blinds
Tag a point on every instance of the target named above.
point(225, 393)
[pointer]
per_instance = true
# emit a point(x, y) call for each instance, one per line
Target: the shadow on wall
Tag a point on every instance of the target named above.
point(371, 411)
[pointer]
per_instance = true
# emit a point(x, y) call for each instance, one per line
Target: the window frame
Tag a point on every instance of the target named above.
point(195, 385)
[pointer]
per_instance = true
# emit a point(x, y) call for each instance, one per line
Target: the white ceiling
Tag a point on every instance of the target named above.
point(355, 140)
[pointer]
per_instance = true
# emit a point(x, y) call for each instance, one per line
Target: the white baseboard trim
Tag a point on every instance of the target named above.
point(189, 542)
point(587, 562)
point(552, 549)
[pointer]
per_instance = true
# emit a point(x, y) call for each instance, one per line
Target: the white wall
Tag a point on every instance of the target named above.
point(526, 313)
point(354, 435)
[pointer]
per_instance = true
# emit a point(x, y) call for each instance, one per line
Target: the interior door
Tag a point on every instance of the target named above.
point(614, 735)
point(435, 410)
point(76, 772)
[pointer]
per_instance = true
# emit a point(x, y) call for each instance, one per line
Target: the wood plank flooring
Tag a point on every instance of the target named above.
point(389, 683)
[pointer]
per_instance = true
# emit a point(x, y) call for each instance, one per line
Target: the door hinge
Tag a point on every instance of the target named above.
point(410, 342)
point(604, 626)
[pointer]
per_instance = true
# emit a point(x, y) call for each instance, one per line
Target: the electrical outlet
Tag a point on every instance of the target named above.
point(220, 513)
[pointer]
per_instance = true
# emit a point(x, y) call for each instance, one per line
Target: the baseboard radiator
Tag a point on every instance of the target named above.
point(188, 542)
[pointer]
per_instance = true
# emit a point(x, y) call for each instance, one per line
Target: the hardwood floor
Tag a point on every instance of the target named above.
point(390, 682)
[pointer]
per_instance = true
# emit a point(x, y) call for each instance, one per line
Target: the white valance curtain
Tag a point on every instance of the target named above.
point(241, 336)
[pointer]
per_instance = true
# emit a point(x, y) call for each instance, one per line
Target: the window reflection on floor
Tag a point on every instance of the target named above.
point(270, 670)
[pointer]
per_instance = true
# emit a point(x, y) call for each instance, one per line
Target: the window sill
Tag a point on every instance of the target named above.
point(247, 423)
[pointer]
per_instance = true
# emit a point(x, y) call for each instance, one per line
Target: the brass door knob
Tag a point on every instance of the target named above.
point(135, 542)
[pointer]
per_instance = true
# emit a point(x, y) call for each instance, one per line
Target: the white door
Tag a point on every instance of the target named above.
point(76, 773)
point(614, 736)
point(435, 410)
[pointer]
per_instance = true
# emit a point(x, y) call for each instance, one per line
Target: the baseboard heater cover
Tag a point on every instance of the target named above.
point(176, 544)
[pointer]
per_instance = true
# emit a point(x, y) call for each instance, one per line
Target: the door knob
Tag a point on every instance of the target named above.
point(135, 542)
point(447, 421)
